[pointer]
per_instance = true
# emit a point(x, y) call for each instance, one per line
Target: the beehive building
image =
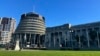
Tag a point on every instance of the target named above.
point(30, 30)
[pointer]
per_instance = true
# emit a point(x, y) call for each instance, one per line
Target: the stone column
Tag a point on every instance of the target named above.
point(54, 40)
point(80, 39)
point(71, 42)
point(49, 35)
point(34, 38)
point(59, 38)
point(64, 38)
point(88, 39)
point(44, 38)
point(20, 40)
point(68, 37)
point(39, 41)
point(98, 39)
point(78, 36)
point(74, 38)
point(25, 40)
point(71, 36)
point(30, 40)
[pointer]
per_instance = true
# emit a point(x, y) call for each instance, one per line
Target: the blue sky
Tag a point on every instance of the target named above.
point(56, 12)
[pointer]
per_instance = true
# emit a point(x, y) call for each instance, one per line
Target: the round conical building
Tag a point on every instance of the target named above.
point(31, 30)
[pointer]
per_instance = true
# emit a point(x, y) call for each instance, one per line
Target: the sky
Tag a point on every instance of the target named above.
point(56, 12)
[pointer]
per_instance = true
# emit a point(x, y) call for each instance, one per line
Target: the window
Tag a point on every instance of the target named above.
point(32, 15)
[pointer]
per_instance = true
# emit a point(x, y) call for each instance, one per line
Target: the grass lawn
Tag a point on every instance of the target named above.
point(49, 53)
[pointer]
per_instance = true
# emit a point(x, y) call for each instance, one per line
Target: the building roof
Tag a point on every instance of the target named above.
point(86, 25)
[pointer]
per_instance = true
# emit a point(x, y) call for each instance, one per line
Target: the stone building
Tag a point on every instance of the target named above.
point(83, 36)
point(57, 36)
point(30, 31)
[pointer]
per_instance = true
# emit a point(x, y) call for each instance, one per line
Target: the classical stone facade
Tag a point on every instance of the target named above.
point(30, 31)
point(83, 36)
point(57, 36)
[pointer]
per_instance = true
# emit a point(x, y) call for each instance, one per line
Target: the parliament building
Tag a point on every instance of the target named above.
point(32, 33)
point(83, 36)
